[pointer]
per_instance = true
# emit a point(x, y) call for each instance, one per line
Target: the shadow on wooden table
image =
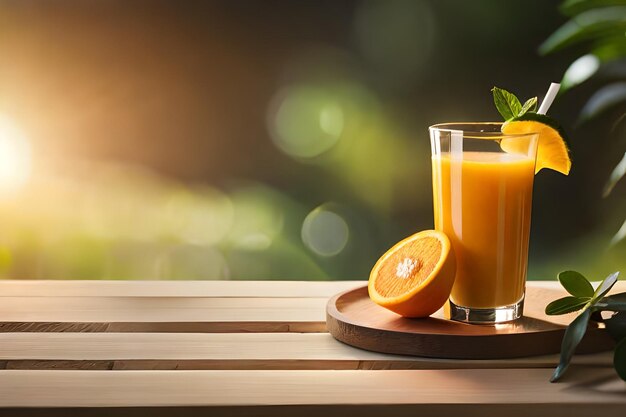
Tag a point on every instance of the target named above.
point(594, 380)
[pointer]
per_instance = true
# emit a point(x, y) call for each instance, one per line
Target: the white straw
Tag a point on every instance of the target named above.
point(549, 98)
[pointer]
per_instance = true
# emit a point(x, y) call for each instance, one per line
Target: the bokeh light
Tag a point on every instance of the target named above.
point(258, 217)
point(162, 140)
point(325, 232)
point(305, 121)
point(15, 155)
point(331, 120)
point(203, 217)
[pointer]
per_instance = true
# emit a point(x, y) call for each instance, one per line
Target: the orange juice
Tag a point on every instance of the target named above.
point(482, 201)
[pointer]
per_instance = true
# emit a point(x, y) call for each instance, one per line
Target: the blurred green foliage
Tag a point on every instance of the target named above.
point(281, 139)
point(598, 29)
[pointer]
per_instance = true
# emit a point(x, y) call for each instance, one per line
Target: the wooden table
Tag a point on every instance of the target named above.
point(250, 348)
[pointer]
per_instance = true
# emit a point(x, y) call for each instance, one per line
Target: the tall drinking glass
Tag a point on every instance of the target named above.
point(482, 193)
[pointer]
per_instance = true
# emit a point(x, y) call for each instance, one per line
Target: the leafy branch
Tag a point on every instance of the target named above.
point(596, 28)
point(591, 303)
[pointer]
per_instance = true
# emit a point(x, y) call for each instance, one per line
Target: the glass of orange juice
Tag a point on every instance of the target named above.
point(482, 193)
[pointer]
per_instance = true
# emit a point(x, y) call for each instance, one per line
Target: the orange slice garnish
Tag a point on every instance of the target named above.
point(552, 151)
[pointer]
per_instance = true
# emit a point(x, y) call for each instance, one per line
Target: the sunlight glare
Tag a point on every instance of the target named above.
point(15, 156)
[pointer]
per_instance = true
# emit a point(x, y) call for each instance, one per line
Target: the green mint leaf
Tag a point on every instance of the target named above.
point(604, 287)
point(566, 305)
point(576, 284)
point(573, 335)
point(619, 359)
point(507, 104)
point(530, 105)
point(616, 325)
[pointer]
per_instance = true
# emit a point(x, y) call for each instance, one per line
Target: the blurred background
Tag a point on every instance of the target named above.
point(272, 139)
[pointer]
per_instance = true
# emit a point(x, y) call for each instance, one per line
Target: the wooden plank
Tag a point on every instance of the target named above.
point(85, 288)
point(157, 309)
point(362, 410)
point(192, 289)
point(162, 314)
point(85, 365)
point(228, 351)
point(512, 392)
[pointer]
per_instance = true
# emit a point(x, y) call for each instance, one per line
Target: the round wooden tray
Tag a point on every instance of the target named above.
point(353, 318)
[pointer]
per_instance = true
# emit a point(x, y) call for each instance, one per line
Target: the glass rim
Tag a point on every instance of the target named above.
point(474, 133)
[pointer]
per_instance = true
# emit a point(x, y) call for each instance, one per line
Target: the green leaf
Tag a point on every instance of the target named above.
point(507, 104)
point(573, 335)
point(579, 71)
point(530, 105)
point(616, 325)
point(576, 284)
point(610, 49)
point(619, 359)
point(604, 99)
point(605, 286)
point(574, 7)
point(618, 173)
point(620, 235)
point(588, 25)
point(566, 305)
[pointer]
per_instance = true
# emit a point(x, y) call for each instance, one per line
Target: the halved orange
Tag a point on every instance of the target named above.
point(414, 278)
point(552, 151)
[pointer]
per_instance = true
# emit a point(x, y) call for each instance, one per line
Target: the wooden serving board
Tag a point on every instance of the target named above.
point(351, 317)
